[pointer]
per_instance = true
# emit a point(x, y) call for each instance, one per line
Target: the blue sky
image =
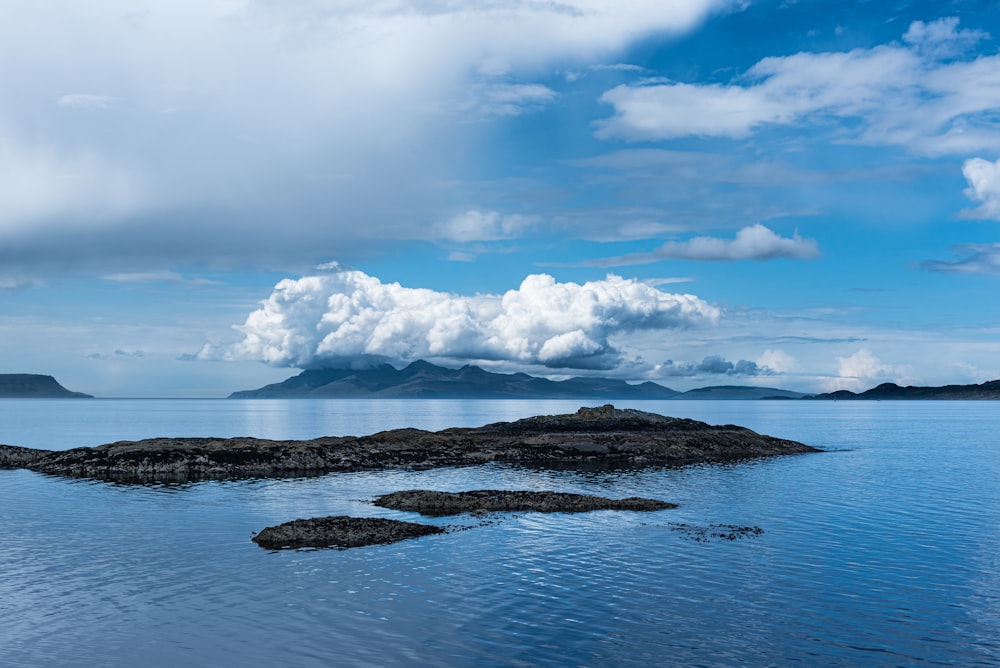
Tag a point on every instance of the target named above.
point(202, 197)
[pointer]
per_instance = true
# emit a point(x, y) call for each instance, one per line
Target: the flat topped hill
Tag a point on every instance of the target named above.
point(36, 386)
point(603, 437)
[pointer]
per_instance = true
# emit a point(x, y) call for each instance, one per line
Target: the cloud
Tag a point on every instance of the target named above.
point(162, 276)
point(755, 242)
point(896, 94)
point(49, 188)
point(504, 99)
point(85, 101)
point(984, 186)
point(476, 225)
point(278, 130)
point(862, 371)
point(778, 360)
point(350, 318)
point(942, 38)
point(13, 283)
point(974, 259)
point(118, 354)
point(712, 365)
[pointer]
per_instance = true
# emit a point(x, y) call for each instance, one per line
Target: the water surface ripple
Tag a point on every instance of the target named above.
point(882, 551)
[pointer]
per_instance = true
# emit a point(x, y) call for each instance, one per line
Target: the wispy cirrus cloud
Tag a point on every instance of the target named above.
point(972, 259)
point(160, 276)
point(86, 101)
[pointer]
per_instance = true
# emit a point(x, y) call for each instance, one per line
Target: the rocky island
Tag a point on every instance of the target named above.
point(598, 437)
point(35, 386)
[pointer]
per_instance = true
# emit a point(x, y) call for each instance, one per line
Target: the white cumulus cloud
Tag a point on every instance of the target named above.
point(350, 318)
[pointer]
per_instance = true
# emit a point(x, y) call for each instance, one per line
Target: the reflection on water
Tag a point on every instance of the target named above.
point(883, 552)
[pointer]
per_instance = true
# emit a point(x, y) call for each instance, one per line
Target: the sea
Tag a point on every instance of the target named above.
point(882, 550)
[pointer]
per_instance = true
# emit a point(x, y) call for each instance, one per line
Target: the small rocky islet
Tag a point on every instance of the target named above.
point(340, 531)
point(439, 504)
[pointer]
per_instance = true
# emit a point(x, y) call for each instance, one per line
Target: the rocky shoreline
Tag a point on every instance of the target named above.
point(605, 437)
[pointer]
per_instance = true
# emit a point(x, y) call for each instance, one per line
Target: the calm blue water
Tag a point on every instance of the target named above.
point(884, 551)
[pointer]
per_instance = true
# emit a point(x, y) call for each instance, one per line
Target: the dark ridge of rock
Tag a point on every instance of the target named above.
point(603, 437)
point(16, 457)
point(35, 386)
point(435, 504)
point(341, 532)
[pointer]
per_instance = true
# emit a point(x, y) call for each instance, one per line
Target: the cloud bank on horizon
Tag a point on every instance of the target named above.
point(348, 319)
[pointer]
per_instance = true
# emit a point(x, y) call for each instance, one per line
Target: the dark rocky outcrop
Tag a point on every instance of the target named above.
point(35, 386)
point(594, 437)
point(433, 503)
point(341, 532)
point(16, 457)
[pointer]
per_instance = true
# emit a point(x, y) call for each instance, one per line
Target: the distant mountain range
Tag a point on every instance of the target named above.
point(425, 380)
point(30, 385)
point(987, 390)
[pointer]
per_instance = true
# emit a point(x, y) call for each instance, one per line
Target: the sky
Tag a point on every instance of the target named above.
point(204, 196)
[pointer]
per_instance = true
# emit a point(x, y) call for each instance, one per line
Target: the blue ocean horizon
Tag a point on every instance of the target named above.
point(879, 551)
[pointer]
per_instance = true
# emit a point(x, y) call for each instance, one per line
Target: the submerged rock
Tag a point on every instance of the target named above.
point(604, 437)
point(434, 503)
point(340, 532)
point(703, 534)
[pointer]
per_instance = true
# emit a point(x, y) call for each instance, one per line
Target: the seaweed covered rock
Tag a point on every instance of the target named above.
point(341, 532)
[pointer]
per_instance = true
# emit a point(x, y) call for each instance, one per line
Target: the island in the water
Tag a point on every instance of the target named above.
point(425, 380)
point(888, 391)
point(35, 386)
point(603, 437)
